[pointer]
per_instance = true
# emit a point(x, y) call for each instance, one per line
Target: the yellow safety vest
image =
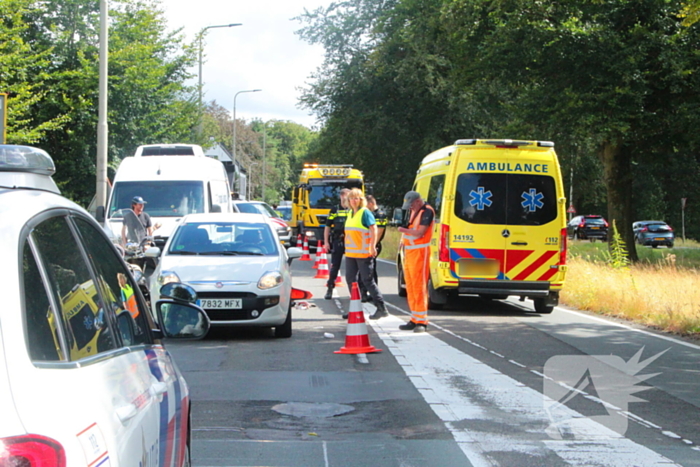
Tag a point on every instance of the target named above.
point(130, 300)
point(357, 237)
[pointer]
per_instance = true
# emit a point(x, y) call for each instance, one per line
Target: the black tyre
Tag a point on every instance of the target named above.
point(401, 281)
point(285, 329)
point(542, 307)
point(654, 245)
point(670, 245)
point(436, 300)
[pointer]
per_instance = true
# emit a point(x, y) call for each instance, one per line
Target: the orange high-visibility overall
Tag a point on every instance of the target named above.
point(416, 268)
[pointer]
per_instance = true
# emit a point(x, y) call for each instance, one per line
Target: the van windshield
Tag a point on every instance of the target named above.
point(506, 199)
point(163, 198)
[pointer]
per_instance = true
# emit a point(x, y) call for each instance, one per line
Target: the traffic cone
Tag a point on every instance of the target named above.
point(319, 250)
point(356, 337)
point(338, 279)
point(298, 239)
point(322, 271)
point(305, 256)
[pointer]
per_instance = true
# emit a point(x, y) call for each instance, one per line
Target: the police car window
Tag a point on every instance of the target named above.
point(437, 184)
point(118, 286)
point(505, 199)
point(81, 311)
point(42, 342)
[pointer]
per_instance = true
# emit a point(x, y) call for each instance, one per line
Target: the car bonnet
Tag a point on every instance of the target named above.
point(220, 268)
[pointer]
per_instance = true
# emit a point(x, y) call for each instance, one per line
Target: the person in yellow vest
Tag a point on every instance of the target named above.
point(360, 247)
point(127, 295)
point(415, 240)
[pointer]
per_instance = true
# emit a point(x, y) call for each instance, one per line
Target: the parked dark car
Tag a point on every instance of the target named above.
point(653, 233)
point(590, 227)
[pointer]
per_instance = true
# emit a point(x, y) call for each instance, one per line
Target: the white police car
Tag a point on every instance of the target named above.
point(84, 377)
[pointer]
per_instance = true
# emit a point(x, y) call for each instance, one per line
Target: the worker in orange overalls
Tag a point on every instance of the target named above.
point(415, 240)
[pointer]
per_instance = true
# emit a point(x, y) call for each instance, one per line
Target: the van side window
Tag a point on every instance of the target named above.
point(505, 199)
point(437, 185)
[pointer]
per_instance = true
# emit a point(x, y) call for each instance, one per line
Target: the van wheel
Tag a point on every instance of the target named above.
point(285, 329)
point(437, 299)
point(401, 281)
point(541, 306)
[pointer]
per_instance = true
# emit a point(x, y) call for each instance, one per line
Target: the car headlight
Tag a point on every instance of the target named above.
point(270, 280)
point(167, 277)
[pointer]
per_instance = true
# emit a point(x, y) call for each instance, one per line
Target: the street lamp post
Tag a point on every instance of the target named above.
point(250, 182)
point(201, 38)
point(233, 142)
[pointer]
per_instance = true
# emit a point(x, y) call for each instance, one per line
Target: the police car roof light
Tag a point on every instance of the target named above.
point(28, 159)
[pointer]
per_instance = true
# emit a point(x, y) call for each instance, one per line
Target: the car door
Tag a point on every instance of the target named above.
point(92, 360)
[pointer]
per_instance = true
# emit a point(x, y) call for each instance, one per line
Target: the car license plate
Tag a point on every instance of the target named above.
point(660, 239)
point(221, 303)
point(595, 228)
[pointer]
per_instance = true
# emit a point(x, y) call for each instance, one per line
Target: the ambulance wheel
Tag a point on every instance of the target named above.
point(436, 298)
point(401, 282)
point(541, 306)
point(285, 329)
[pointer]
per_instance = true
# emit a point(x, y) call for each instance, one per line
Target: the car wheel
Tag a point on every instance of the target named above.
point(670, 245)
point(576, 236)
point(654, 245)
point(541, 306)
point(401, 282)
point(285, 329)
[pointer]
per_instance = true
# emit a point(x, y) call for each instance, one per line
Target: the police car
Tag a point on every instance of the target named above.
point(84, 379)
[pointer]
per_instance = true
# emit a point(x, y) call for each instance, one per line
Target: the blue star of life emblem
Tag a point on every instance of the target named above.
point(532, 200)
point(480, 199)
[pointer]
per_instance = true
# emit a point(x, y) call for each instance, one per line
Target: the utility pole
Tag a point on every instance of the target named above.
point(102, 129)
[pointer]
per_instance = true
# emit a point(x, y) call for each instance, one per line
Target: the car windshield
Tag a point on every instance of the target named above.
point(163, 198)
point(285, 212)
point(224, 238)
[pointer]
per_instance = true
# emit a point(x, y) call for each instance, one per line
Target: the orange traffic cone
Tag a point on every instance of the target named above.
point(298, 239)
point(322, 271)
point(305, 256)
point(356, 337)
point(319, 250)
point(338, 279)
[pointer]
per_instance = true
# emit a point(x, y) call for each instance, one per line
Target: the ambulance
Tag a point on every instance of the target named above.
point(500, 222)
point(317, 192)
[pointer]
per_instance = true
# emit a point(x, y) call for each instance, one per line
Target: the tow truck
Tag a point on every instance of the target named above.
point(317, 192)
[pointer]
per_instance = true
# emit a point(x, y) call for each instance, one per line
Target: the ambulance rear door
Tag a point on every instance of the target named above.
point(532, 232)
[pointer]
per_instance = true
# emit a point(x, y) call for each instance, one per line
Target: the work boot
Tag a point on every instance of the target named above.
point(421, 328)
point(410, 326)
point(329, 293)
point(380, 313)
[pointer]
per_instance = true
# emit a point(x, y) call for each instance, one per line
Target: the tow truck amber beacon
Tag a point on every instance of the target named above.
point(317, 192)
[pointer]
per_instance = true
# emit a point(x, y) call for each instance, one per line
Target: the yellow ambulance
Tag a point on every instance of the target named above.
point(500, 222)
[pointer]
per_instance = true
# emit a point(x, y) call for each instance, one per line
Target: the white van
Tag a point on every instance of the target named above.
point(172, 186)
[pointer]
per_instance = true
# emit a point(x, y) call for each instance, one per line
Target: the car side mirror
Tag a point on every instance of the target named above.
point(293, 253)
point(100, 214)
point(182, 320)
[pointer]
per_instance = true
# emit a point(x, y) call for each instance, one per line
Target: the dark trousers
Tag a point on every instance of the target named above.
point(363, 267)
point(363, 291)
point(337, 252)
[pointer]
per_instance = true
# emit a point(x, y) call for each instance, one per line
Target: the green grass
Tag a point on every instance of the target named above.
point(683, 255)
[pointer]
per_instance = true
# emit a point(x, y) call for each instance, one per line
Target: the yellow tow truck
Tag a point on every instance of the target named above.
point(316, 193)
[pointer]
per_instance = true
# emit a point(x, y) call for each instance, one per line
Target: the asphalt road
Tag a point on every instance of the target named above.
point(490, 384)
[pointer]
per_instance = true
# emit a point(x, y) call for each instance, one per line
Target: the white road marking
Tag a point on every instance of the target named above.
point(481, 407)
